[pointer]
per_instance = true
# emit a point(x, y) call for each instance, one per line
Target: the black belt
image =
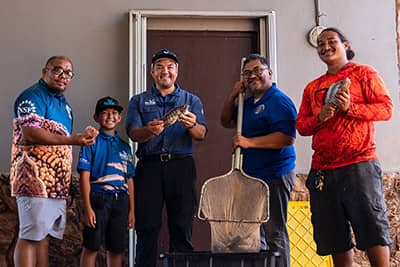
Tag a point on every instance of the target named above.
point(164, 157)
point(115, 195)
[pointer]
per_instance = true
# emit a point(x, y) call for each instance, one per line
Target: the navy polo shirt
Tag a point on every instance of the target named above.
point(273, 112)
point(110, 163)
point(151, 105)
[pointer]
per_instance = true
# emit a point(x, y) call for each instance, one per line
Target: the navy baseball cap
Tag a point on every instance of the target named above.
point(108, 102)
point(164, 53)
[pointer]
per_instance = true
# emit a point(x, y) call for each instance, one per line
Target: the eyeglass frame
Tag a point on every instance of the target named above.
point(257, 71)
point(59, 70)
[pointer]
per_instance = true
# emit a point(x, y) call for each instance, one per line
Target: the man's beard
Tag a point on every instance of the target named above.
point(255, 89)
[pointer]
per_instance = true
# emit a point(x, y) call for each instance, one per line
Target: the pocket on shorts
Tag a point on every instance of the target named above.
point(310, 180)
point(288, 180)
point(377, 167)
point(25, 203)
point(378, 205)
point(123, 203)
point(97, 200)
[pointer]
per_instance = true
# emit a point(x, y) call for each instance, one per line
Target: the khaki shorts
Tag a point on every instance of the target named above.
point(39, 217)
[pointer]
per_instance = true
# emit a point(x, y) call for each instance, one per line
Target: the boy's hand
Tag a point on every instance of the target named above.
point(131, 219)
point(91, 131)
point(89, 218)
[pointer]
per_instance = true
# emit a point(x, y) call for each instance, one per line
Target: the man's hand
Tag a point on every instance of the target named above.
point(83, 139)
point(343, 96)
point(155, 127)
point(327, 112)
point(227, 119)
point(237, 89)
point(145, 133)
point(240, 141)
point(39, 136)
point(188, 119)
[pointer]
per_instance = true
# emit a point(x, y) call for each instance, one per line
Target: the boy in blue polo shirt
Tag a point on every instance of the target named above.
point(106, 176)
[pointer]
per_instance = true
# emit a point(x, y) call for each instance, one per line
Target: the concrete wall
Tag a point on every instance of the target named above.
point(95, 35)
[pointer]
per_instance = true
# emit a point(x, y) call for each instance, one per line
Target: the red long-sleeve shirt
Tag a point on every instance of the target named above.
point(348, 137)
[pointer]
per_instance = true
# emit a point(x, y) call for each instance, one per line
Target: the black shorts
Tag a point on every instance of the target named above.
point(351, 198)
point(111, 222)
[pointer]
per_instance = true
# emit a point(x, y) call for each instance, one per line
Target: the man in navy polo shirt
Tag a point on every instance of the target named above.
point(106, 176)
point(166, 169)
point(268, 134)
point(41, 161)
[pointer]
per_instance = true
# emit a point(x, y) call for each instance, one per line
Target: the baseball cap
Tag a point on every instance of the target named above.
point(108, 102)
point(164, 53)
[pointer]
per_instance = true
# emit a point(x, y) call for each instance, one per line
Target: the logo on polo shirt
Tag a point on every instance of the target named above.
point(259, 109)
point(150, 102)
point(69, 111)
point(124, 156)
point(26, 107)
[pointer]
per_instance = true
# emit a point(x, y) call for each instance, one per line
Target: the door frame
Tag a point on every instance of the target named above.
point(138, 26)
point(138, 38)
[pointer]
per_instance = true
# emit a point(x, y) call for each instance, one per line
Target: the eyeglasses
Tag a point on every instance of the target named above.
point(58, 71)
point(257, 71)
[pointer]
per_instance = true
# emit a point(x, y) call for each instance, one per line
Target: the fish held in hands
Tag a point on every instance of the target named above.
point(172, 116)
point(333, 89)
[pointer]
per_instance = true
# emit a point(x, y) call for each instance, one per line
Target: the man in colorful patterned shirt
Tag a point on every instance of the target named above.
point(41, 158)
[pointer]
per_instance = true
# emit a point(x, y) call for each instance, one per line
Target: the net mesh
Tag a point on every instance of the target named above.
point(235, 206)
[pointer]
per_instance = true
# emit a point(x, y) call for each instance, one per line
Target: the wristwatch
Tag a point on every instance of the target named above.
point(194, 124)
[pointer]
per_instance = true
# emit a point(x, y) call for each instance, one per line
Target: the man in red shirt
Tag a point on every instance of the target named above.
point(345, 180)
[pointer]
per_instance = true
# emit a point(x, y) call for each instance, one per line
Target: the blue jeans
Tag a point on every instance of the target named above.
point(274, 235)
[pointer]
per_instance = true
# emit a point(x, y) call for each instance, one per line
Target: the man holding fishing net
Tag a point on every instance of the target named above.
point(267, 138)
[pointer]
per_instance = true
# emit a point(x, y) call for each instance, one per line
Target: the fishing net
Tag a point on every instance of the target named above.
point(235, 205)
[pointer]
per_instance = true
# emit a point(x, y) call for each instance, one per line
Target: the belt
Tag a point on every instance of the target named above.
point(114, 195)
point(164, 157)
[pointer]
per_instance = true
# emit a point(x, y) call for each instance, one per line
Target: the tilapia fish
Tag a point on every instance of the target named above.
point(333, 89)
point(172, 116)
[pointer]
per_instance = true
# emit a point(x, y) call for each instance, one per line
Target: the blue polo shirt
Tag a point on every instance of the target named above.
point(41, 170)
point(273, 112)
point(151, 105)
point(110, 163)
point(41, 101)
